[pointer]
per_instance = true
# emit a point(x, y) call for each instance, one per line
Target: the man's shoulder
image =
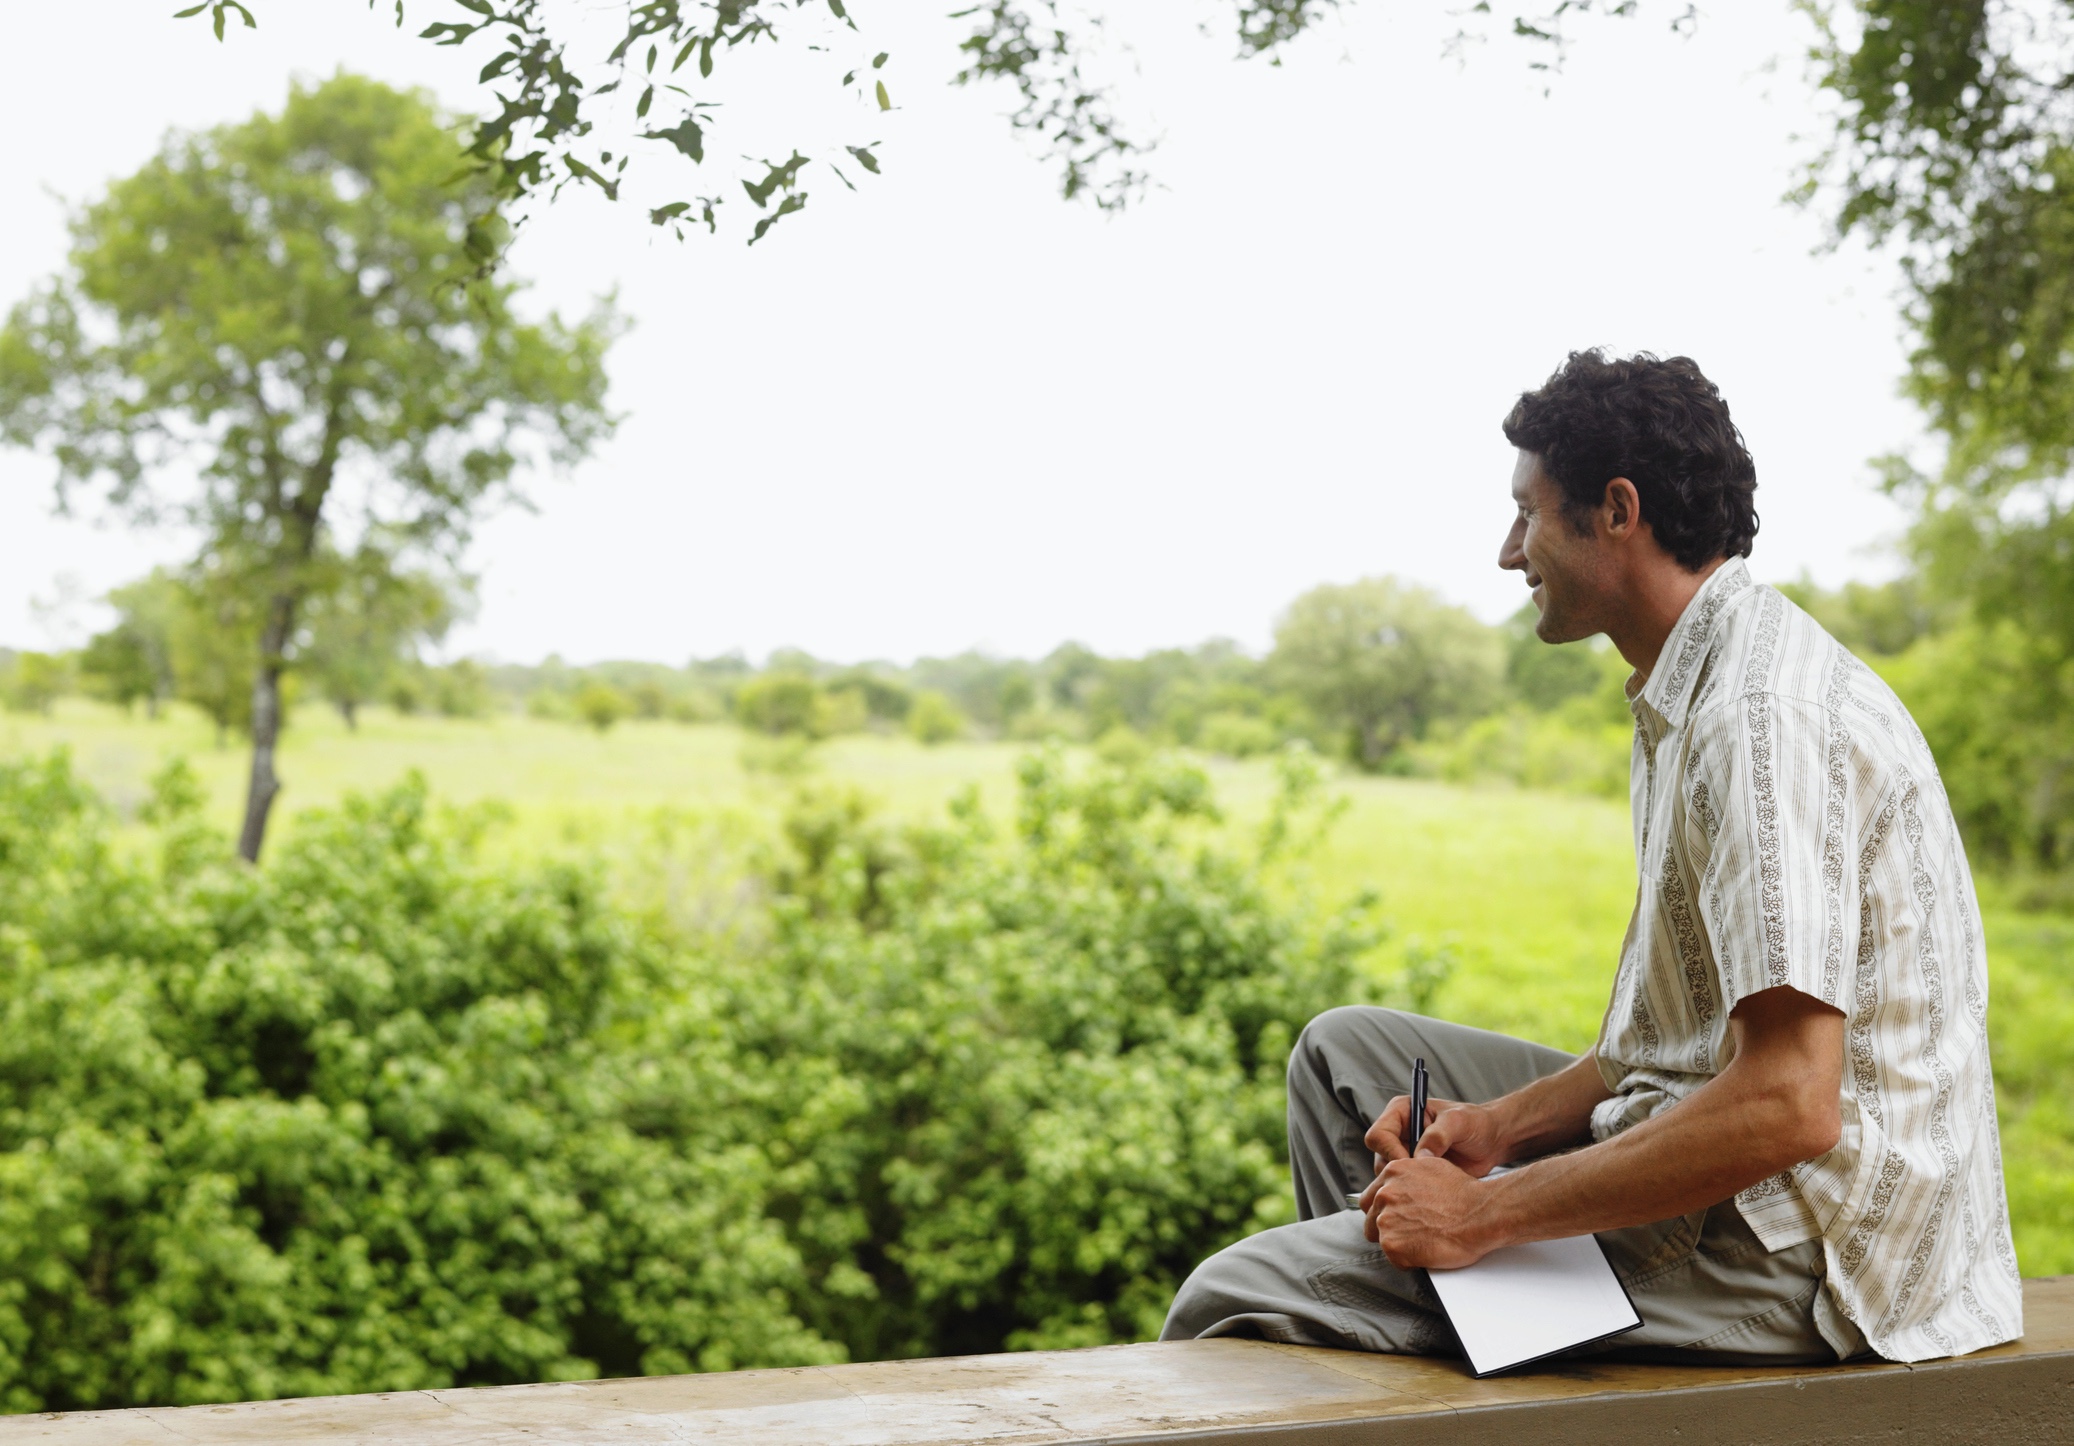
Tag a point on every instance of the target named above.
point(1772, 653)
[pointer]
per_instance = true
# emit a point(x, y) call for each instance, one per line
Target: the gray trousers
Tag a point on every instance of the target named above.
point(1706, 1288)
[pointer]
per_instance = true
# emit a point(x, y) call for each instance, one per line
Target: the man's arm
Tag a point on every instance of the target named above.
point(1552, 1113)
point(1773, 1106)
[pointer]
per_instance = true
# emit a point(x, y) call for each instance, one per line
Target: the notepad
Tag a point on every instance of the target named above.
point(1524, 1302)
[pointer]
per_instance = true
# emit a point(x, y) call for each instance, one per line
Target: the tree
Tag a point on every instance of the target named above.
point(562, 118)
point(212, 634)
point(1540, 675)
point(33, 682)
point(1955, 143)
point(934, 718)
point(601, 705)
point(778, 703)
point(121, 666)
point(1385, 660)
point(288, 306)
point(367, 621)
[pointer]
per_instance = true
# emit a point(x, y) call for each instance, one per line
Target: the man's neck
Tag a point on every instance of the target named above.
point(1657, 597)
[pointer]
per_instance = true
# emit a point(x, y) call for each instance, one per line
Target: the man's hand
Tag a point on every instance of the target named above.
point(1467, 1136)
point(1425, 1212)
point(1775, 1104)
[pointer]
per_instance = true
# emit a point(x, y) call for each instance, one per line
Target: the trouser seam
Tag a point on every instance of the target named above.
point(1804, 1298)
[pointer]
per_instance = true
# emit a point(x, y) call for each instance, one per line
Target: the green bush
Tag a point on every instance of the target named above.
point(377, 1117)
point(1041, 1075)
point(381, 1116)
point(934, 718)
point(1535, 750)
point(1995, 705)
point(1237, 735)
point(779, 703)
point(601, 705)
point(32, 682)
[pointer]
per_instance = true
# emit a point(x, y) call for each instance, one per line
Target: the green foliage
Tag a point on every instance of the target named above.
point(1872, 619)
point(1994, 704)
point(1384, 661)
point(263, 305)
point(382, 1117)
point(124, 666)
point(1236, 735)
point(552, 107)
point(210, 635)
point(365, 623)
point(378, 1117)
point(32, 682)
point(1953, 139)
point(886, 700)
point(934, 718)
point(1041, 1074)
point(461, 689)
point(601, 705)
point(1544, 676)
point(778, 703)
point(1535, 750)
point(2032, 1020)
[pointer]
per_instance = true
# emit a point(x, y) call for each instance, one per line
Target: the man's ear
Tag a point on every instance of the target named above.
point(1623, 508)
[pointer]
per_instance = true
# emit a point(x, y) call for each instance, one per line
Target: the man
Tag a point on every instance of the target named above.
point(1785, 1134)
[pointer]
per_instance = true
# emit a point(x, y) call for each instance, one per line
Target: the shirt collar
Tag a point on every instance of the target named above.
point(1668, 693)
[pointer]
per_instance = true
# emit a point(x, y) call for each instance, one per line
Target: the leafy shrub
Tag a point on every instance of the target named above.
point(381, 1116)
point(601, 705)
point(1535, 750)
point(1995, 705)
point(32, 682)
point(1237, 735)
point(934, 718)
point(778, 703)
point(461, 689)
point(377, 1117)
point(841, 710)
point(1031, 1081)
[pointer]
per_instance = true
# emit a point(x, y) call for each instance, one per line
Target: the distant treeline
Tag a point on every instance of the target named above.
point(1382, 674)
point(1385, 674)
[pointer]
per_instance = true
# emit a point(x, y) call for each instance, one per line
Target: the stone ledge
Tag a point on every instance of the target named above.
point(1232, 1393)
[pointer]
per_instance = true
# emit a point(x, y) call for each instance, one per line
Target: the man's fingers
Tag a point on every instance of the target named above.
point(1451, 1126)
point(1386, 1136)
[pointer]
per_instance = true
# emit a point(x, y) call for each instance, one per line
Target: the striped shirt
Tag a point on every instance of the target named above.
point(1791, 829)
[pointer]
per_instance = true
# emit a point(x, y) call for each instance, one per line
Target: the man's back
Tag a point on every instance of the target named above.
point(1791, 830)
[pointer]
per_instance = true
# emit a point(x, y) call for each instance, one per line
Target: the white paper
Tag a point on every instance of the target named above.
point(1527, 1301)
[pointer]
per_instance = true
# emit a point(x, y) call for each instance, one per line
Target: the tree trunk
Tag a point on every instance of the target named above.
point(349, 709)
point(1373, 747)
point(266, 726)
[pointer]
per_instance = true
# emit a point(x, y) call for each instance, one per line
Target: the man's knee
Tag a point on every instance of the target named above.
point(1338, 1033)
point(1204, 1299)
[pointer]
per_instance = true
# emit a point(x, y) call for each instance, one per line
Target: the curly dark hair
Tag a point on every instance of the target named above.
point(1662, 425)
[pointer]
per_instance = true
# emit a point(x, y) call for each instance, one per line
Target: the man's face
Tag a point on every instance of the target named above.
point(1567, 570)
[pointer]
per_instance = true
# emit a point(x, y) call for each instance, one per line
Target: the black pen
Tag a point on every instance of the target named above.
point(1416, 1125)
point(1413, 1127)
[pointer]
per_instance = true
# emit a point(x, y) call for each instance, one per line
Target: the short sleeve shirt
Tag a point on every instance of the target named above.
point(1791, 829)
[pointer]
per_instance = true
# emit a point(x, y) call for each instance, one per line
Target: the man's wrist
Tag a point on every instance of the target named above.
point(1508, 1131)
point(1490, 1225)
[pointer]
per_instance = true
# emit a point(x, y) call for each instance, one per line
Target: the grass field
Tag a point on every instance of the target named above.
point(1530, 891)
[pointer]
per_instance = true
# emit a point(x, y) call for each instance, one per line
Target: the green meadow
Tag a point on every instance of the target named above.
point(1525, 894)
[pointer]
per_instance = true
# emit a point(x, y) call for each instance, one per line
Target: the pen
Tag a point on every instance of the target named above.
point(1413, 1127)
point(1416, 1125)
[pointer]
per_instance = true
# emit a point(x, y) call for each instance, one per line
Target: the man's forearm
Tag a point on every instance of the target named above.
point(1743, 1126)
point(1552, 1113)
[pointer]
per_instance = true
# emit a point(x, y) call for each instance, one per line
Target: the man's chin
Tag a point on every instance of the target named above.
point(1553, 627)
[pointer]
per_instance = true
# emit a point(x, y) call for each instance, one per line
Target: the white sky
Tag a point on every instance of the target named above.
point(952, 411)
